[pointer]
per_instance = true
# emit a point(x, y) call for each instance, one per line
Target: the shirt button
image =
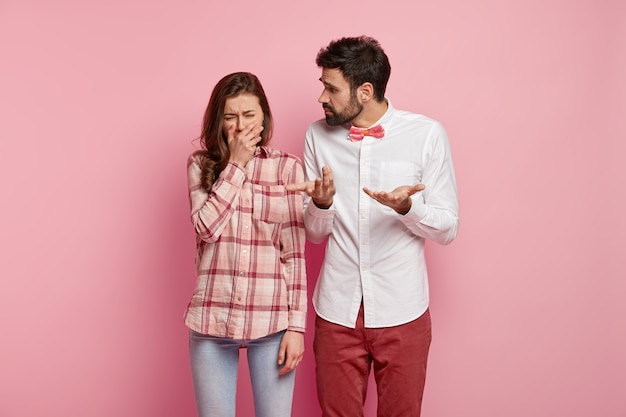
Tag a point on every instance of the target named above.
point(238, 298)
point(245, 251)
point(240, 273)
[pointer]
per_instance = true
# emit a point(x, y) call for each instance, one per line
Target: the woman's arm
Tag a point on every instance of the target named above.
point(211, 211)
point(292, 241)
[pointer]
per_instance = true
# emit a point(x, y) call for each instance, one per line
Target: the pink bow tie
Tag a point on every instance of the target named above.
point(357, 134)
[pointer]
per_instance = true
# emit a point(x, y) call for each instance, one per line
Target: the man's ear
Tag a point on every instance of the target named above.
point(365, 92)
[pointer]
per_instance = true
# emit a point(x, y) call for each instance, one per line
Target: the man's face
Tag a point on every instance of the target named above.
point(340, 103)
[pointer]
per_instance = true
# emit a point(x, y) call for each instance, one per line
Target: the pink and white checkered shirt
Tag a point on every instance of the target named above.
point(250, 237)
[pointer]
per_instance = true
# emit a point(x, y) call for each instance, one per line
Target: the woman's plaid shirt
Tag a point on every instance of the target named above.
point(251, 275)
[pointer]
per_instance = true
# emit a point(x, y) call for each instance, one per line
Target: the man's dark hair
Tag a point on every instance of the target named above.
point(360, 59)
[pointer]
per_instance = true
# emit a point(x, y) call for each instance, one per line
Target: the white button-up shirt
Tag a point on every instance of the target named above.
point(373, 254)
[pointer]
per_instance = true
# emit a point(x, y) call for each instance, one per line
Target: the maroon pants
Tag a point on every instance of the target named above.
point(344, 357)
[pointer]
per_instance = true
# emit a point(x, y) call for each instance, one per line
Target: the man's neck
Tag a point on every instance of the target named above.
point(372, 112)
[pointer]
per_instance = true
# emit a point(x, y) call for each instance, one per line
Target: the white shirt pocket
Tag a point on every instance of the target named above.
point(394, 174)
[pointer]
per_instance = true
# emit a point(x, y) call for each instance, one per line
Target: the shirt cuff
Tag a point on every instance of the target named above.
point(234, 173)
point(416, 213)
point(297, 321)
point(320, 213)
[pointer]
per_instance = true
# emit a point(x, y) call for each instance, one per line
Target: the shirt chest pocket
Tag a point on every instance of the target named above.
point(394, 174)
point(269, 203)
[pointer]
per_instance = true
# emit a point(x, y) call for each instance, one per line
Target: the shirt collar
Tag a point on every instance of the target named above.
point(385, 120)
point(262, 151)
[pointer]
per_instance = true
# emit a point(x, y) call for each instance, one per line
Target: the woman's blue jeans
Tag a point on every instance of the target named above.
point(214, 363)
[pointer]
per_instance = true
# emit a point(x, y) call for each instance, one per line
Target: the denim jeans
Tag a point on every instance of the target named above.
point(214, 363)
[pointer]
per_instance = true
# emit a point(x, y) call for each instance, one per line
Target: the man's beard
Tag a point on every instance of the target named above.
point(353, 109)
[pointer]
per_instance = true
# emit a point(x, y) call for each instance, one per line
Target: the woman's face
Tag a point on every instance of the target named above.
point(240, 111)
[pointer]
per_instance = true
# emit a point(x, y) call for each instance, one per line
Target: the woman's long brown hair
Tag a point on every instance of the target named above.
point(215, 153)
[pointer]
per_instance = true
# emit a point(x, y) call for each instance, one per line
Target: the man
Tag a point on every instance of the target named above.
point(391, 187)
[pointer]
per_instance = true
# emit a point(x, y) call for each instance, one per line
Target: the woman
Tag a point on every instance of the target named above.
point(251, 278)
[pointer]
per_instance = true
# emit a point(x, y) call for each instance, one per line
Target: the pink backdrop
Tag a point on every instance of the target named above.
point(99, 105)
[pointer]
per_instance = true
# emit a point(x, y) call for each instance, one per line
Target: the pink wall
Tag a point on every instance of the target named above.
point(100, 102)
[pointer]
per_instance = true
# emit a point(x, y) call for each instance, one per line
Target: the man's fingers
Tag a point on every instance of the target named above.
point(327, 176)
point(397, 193)
point(319, 189)
point(293, 187)
point(303, 186)
point(376, 195)
point(369, 192)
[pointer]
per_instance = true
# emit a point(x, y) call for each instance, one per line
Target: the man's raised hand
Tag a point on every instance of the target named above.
point(398, 199)
point(321, 191)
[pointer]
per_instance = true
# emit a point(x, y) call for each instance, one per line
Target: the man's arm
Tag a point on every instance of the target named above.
point(318, 217)
point(430, 212)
